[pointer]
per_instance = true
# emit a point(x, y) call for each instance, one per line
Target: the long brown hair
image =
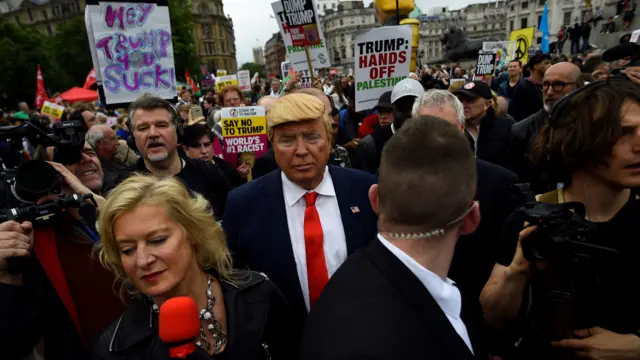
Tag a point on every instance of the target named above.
point(583, 128)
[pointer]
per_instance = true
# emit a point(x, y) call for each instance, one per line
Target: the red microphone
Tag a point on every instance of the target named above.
point(179, 325)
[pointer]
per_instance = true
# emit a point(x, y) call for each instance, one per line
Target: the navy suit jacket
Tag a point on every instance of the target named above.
point(255, 222)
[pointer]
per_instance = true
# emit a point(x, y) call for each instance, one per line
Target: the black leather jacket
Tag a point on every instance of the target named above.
point(258, 326)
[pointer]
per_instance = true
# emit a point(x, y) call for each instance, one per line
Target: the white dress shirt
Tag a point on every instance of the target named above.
point(444, 292)
point(335, 242)
point(275, 94)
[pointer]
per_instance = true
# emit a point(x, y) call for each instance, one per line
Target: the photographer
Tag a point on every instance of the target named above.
point(64, 296)
point(592, 145)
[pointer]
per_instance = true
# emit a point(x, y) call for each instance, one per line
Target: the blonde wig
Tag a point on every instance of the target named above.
point(191, 211)
point(295, 108)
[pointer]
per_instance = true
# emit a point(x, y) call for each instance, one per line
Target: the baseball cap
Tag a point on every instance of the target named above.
point(406, 87)
point(384, 103)
point(475, 89)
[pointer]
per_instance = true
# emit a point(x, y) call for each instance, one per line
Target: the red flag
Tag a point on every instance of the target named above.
point(190, 81)
point(91, 79)
point(41, 93)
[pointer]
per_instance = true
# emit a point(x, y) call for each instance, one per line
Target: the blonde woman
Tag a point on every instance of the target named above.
point(163, 242)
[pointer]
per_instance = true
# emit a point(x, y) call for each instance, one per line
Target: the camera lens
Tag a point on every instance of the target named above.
point(35, 179)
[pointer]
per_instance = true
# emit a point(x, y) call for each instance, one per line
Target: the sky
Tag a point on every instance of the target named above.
point(253, 25)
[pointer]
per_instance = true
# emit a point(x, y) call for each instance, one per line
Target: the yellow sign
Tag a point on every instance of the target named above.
point(52, 109)
point(221, 72)
point(524, 40)
point(227, 80)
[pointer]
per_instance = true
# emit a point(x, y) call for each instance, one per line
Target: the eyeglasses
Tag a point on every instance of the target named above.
point(557, 86)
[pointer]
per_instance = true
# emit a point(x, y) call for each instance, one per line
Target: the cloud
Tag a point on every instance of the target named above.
point(253, 25)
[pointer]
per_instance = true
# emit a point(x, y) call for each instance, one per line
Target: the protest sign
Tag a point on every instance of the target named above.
point(227, 80)
point(382, 60)
point(318, 53)
point(244, 80)
point(524, 40)
point(284, 68)
point(300, 17)
point(486, 64)
point(133, 48)
point(52, 109)
point(221, 72)
point(244, 131)
point(505, 51)
point(635, 36)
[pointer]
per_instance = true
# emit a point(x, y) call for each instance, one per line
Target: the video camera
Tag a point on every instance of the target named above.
point(563, 232)
point(23, 182)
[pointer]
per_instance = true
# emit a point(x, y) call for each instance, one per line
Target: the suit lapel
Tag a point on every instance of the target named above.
point(418, 298)
point(276, 230)
point(349, 210)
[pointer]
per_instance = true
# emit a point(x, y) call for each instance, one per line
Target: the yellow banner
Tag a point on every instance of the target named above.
point(52, 109)
point(524, 40)
point(224, 81)
point(221, 72)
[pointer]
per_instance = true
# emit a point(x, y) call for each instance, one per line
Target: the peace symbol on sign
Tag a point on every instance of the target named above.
point(521, 48)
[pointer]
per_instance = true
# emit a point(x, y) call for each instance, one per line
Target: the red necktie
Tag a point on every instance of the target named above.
point(317, 274)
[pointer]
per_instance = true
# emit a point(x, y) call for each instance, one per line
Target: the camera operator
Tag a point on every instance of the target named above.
point(592, 145)
point(64, 296)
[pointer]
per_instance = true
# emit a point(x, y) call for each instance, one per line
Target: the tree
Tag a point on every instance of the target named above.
point(70, 48)
point(23, 49)
point(254, 68)
point(184, 47)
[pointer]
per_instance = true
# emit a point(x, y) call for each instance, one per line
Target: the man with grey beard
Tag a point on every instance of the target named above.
point(154, 127)
point(559, 80)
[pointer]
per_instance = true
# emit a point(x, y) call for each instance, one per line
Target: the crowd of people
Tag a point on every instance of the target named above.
point(384, 234)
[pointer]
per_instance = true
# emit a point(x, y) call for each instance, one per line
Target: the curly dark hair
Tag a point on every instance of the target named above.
point(585, 130)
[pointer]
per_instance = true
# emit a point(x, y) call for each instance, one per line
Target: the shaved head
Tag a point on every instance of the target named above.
point(320, 95)
point(570, 69)
point(267, 102)
point(559, 80)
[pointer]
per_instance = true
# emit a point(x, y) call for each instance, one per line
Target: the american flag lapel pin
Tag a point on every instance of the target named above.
point(355, 210)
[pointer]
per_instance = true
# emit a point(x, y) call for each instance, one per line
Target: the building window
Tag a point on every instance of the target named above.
point(318, 6)
point(513, 8)
point(523, 23)
point(511, 26)
point(539, 20)
point(30, 14)
point(206, 31)
point(49, 30)
point(363, 19)
point(539, 41)
point(541, 2)
point(44, 14)
point(341, 22)
point(341, 37)
point(567, 18)
point(343, 52)
point(474, 28)
point(525, 5)
point(56, 11)
point(333, 6)
point(324, 6)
